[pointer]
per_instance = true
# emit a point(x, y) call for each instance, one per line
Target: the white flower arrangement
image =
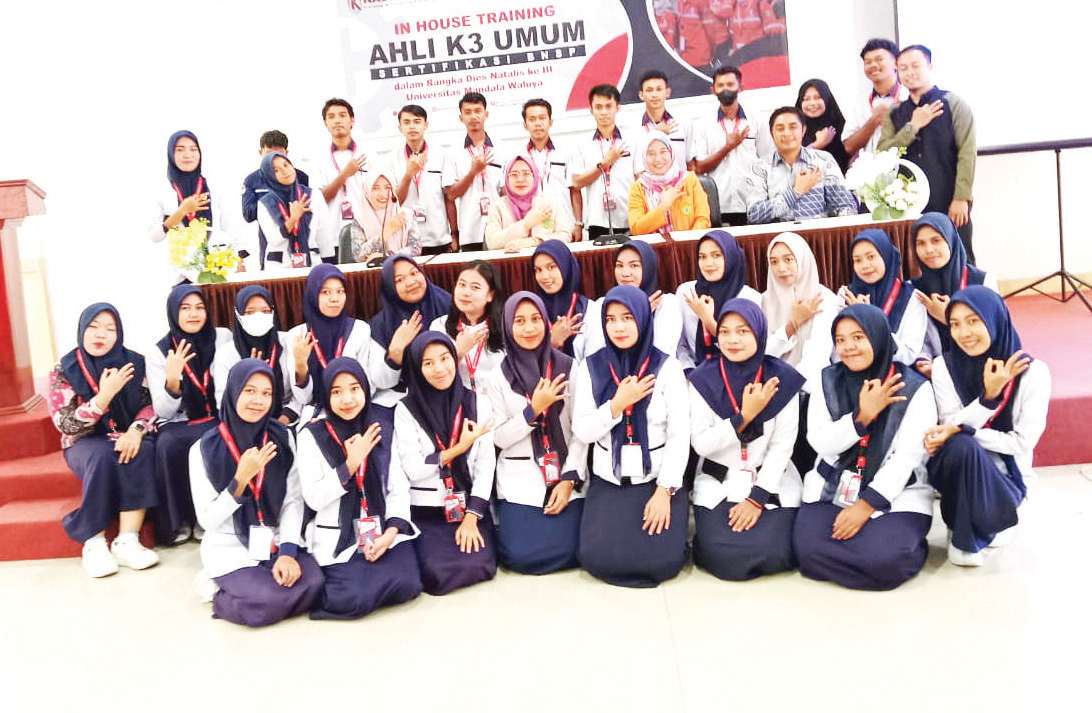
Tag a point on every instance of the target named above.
point(876, 180)
point(202, 254)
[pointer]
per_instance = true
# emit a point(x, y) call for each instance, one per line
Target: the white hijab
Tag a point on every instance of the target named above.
point(779, 299)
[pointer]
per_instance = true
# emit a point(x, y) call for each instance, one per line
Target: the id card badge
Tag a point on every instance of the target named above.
point(419, 214)
point(608, 202)
point(261, 543)
point(346, 210)
point(849, 489)
point(367, 530)
point(484, 202)
point(632, 462)
point(551, 468)
point(455, 506)
point(299, 260)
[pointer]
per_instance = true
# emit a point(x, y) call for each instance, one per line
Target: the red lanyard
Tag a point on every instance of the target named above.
point(456, 429)
point(544, 170)
point(178, 192)
point(606, 169)
point(735, 125)
point(629, 409)
point(894, 295)
point(203, 387)
point(257, 482)
point(1005, 396)
point(545, 411)
point(284, 213)
point(417, 176)
point(572, 306)
point(963, 278)
point(361, 472)
point(318, 349)
point(707, 336)
point(94, 384)
point(470, 150)
point(352, 149)
point(728, 387)
point(893, 94)
point(862, 445)
point(472, 364)
point(272, 360)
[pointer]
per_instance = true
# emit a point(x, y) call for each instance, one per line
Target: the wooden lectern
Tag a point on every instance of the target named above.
point(18, 199)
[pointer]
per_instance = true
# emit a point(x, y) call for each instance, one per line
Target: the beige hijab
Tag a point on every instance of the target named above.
point(373, 218)
point(778, 299)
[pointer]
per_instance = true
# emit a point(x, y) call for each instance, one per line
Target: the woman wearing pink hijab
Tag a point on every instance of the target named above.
point(525, 216)
point(380, 225)
point(664, 197)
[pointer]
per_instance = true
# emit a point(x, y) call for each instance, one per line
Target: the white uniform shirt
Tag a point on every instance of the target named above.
point(769, 456)
point(905, 459)
point(168, 408)
point(487, 185)
point(323, 490)
point(863, 111)
point(682, 139)
point(932, 346)
point(668, 426)
point(818, 350)
point(487, 364)
point(555, 166)
point(222, 552)
point(229, 357)
point(1029, 413)
point(730, 175)
point(321, 239)
point(426, 194)
point(419, 462)
point(591, 152)
point(519, 477)
point(227, 221)
point(687, 350)
point(327, 168)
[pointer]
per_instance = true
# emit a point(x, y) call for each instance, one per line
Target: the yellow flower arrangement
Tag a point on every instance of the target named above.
point(189, 250)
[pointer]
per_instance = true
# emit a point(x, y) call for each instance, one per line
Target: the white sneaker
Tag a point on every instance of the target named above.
point(204, 586)
point(198, 533)
point(1003, 538)
point(97, 560)
point(965, 559)
point(183, 536)
point(130, 553)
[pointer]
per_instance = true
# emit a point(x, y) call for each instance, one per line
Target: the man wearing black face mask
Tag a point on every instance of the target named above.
point(727, 148)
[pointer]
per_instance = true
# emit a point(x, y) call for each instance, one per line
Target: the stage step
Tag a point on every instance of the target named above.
point(37, 478)
point(31, 530)
point(29, 434)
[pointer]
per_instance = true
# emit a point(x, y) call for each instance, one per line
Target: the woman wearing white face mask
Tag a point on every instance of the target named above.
point(256, 336)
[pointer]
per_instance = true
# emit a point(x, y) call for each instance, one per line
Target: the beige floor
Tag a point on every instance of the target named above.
point(1013, 635)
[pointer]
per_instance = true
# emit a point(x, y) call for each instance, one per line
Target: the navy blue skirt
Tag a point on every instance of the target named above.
point(764, 549)
point(172, 457)
point(530, 542)
point(251, 597)
point(443, 567)
point(108, 487)
point(886, 552)
point(356, 588)
point(615, 549)
point(977, 499)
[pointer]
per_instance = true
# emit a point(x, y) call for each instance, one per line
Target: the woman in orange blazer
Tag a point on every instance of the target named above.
point(664, 197)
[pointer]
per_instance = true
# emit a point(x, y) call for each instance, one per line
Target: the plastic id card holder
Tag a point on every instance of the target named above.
point(632, 462)
point(260, 546)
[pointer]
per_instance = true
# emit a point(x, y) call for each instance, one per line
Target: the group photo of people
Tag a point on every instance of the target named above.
point(354, 460)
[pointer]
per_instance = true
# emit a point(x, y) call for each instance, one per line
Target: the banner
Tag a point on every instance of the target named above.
point(430, 52)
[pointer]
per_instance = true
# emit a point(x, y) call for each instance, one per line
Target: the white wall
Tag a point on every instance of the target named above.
point(99, 87)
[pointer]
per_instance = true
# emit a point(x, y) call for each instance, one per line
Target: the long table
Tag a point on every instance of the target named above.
point(829, 239)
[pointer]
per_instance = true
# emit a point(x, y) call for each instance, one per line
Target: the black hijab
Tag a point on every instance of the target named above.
point(722, 290)
point(203, 344)
point(187, 182)
point(268, 344)
point(831, 116)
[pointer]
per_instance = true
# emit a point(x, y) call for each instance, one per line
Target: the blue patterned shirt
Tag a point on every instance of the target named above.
point(771, 198)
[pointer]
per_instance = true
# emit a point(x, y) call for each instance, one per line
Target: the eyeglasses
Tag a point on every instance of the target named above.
point(520, 174)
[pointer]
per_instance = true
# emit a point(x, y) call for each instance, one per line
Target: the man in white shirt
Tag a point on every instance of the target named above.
point(727, 148)
point(604, 167)
point(419, 170)
point(655, 92)
point(472, 177)
point(554, 164)
point(339, 177)
point(879, 61)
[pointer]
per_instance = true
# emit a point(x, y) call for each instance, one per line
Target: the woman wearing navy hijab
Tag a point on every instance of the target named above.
point(944, 271)
point(255, 335)
point(744, 414)
point(867, 503)
point(877, 280)
point(187, 196)
point(361, 524)
point(636, 265)
point(99, 401)
point(444, 447)
point(631, 411)
point(540, 467)
point(993, 399)
point(246, 489)
point(559, 284)
point(722, 275)
point(329, 331)
point(297, 230)
point(180, 378)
